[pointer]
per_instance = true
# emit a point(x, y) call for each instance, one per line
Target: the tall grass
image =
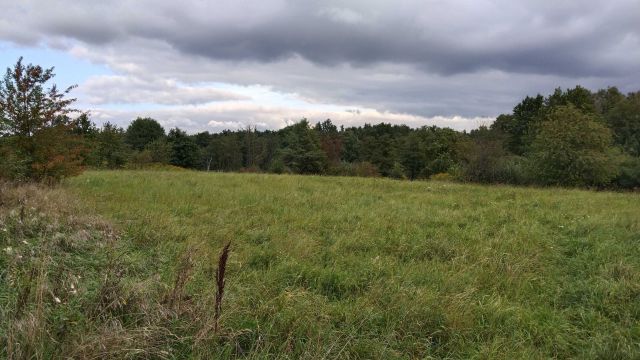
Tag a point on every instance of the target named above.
point(70, 287)
point(328, 267)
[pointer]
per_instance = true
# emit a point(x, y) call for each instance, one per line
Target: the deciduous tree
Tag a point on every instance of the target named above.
point(35, 123)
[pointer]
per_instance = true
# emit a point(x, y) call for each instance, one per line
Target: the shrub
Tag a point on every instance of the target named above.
point(13, 166)
point(398, 171)
point(572, 149)
point(484, 160)
point(442, 177)
point(629, 176)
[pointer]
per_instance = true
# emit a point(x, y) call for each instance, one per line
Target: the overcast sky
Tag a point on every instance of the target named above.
point(226, 64)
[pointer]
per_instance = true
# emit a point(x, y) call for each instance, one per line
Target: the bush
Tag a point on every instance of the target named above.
point(442, 177)
point(485, 160)
point(398, 172)
point(572, 149)
point(13, 166)
point(629, 176)
point(512, 170)
point(140, 159)
point(278, 167)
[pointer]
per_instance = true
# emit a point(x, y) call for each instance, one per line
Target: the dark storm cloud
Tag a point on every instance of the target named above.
point(408, 61)
point(581, 38)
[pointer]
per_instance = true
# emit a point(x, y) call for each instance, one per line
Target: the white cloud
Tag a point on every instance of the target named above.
point(120, 89)
point(215, 117)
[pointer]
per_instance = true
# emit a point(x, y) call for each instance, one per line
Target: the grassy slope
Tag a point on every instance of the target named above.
point(379, 268)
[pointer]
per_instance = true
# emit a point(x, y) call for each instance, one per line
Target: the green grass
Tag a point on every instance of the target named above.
point(325, 267)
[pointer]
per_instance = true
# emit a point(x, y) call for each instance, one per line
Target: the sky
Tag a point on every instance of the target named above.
point(211, 65)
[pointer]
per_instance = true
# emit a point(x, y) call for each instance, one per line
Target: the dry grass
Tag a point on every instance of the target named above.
point(69, 287)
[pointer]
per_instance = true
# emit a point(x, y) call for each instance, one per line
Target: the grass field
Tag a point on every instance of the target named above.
point(325, 267)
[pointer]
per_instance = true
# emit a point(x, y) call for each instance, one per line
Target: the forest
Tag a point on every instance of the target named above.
point(573, 138)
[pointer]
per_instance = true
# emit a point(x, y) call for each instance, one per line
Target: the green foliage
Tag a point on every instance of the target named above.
point(184, 150)
point(35, 118)
point(579, 97)
point(624, 119)
point(224, 153)
point(398, 172)
point(330, 141)
point(520, 127)
point(485, 160)
point(13, 165)
point(301, 151)
point(110, 150)
point(629, 176)
point(143, 131)
point(606, 99)
point(351, 147)
point(159, 151)
point(446, 177)
point(572, 148)
point(57, 153)
point(427, 151)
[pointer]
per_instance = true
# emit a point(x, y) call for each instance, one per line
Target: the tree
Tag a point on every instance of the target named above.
point(142, 132)
point(520, 126)
point(377, 145)
point(250, 147)
point(110, 149)
point(34, 123)
point(223, 152)
point(302, 153)
point(572, 148)
point(606, 99)
point(330, 141)
point(581, 98)
point(624, 120)
point(351, 148)
point(160, 151)
point(184, 150)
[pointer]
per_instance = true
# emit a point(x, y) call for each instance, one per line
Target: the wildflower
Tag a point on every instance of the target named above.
point(57, 299)
point(8, 249)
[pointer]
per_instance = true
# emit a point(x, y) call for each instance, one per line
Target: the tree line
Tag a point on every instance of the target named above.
point(572, 137)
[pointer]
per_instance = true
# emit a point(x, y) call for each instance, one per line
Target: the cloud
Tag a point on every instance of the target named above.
point(342, 15)
point(216, 117)
point(119, 89)
point(433, 60)
point(444, 37)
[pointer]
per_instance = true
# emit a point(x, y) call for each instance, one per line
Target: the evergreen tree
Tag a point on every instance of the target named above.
point(184, 150)
point(301, 152)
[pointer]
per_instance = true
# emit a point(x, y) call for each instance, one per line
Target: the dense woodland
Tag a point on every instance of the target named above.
point(572, 137)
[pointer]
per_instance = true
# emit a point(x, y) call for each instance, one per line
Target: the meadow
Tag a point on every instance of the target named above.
point(336, 267)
